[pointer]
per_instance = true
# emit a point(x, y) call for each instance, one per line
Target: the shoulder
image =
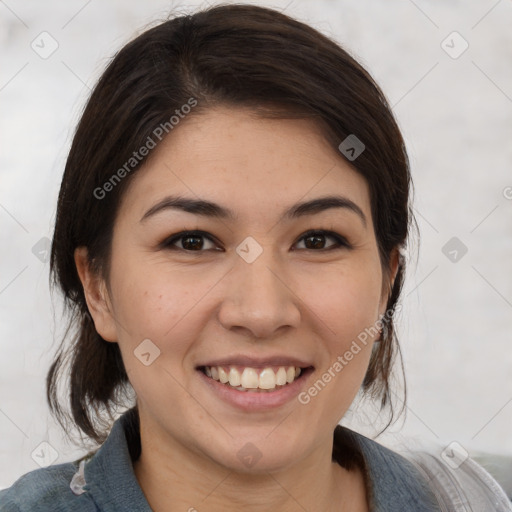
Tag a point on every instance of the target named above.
point(461, 483)
point(421, 479)
point(44, 490)
point(99, 481)
point(393, 482)
point(398, 484)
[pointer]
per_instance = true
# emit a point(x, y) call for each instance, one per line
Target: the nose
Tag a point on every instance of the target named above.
point(259, 298)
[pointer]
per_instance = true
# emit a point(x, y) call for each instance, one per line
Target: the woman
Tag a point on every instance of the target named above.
point(229, 239)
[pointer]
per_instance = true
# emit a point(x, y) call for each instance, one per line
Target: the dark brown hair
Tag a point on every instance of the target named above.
point(230, 55)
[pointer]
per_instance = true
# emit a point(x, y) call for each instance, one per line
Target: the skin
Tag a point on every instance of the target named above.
point(196, 305)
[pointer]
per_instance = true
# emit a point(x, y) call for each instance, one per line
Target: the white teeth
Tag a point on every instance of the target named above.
point(223, 376)
point(281, 377)
point(249, 379)
point(267, 379)
point(252, 379)
point(234, 377)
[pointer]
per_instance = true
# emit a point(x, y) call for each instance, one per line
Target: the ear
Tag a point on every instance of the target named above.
point(96, 296)
point(387, 285)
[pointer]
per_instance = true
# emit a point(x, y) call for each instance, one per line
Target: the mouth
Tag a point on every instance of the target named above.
point(256, 379)
point(255, 384)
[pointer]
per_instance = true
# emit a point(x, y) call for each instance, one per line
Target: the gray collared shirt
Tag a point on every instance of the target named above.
point(106, 481)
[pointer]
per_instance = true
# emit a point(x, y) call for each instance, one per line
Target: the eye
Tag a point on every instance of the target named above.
point(191, 241)
point(194, 241)
point(315, 240)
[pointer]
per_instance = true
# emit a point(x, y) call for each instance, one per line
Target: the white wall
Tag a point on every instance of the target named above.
point(456, 117)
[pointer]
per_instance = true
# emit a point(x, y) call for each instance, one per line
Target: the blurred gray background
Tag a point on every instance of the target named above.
point(446, 68)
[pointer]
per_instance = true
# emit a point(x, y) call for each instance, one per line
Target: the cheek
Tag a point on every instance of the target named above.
point(346, 301)
point(347, 308)
point(162, 307)
point(163, 303)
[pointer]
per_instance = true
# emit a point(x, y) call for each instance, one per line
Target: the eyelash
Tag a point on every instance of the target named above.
point(341, 242)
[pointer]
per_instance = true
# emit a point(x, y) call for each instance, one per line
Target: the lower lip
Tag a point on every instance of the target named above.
point(254, 400)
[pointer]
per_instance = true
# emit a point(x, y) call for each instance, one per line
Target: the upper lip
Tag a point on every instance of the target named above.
point(257, 362)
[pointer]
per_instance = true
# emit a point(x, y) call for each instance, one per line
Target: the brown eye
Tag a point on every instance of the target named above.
point(316, 240)
point(190, 241)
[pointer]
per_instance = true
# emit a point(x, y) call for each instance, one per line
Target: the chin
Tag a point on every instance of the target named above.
point(258, 454)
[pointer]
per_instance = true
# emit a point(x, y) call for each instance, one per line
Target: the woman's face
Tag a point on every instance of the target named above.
point(249, 295)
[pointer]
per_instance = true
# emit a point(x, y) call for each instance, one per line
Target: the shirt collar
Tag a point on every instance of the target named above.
point(109, 476)
point(393, 482)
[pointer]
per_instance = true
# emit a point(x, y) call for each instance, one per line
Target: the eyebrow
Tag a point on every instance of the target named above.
point(210, 209)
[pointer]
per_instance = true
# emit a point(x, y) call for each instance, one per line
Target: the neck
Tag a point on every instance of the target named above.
point(176, 479)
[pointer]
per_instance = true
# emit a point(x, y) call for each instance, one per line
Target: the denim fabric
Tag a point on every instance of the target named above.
point(395, 484)
point(110, 485)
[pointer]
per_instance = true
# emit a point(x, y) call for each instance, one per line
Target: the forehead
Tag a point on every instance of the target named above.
point(252, 165)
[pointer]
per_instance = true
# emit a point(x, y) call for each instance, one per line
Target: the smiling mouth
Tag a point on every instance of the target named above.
point(259, 380)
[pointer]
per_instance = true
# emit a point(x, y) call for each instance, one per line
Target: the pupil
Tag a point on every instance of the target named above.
point(318, 241)
point(197, 245)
